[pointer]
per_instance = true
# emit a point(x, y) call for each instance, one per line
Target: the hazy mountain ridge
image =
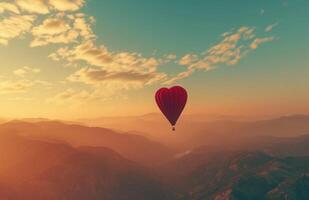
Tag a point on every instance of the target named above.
point(51, 160)
point(199, 130)
point(41, 170)
point(133, 147)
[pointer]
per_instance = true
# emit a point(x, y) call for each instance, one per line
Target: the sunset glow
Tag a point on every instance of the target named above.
point(76, 59)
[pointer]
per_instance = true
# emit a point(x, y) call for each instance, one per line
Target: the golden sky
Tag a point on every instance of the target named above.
point(79, 59)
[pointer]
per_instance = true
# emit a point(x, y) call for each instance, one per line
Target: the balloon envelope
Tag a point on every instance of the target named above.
point(171, 102)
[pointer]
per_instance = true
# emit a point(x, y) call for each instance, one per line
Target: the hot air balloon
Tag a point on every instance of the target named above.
point(171, 102)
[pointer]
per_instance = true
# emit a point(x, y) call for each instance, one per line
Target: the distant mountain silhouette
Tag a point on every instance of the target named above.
point(232, 132)
point(133, 147)
point(198, 130)
point(38, 170)
point(229, 160)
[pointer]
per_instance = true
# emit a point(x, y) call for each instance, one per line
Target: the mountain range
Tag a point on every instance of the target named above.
point(198, 130)
point(32, 169)
point(221, 160)
point(134, 147)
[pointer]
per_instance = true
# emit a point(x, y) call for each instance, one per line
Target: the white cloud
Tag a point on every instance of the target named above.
point(84, 27)
point(22, 85)
point(100, 56)
point(270, 27)
point(51, 27)
point(15, 86)
point(233, 47)
point(98, 76)
point(70, 96)
point(188, 59)
point(64, 38)
point(26, 70)
point(14, 26)
point(66, 5)
point(258, 41)
point(55, 28)
point(59, 22)
point(124, 67)
point(6, 6)
point(180, 76)
point(170, 57)
point(62, 30)
point(33, 6)
point(78, 97)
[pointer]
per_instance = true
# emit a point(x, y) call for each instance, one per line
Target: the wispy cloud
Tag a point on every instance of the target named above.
point(270, 27)
point(95, 65)
point(127, 68)
point(188, 59)
point(262, 12)
point(15, 86)
point(62, 29)
point(70, 96)
point(232, 48)
point(97, 76)
point(26, 70)
point(78, 97)
point(22, 85)
point(258, 41)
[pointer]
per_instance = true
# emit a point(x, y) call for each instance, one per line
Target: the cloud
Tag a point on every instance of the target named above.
point(56, 25)
point(100, 56)
point(270, 27)
point(26, 70)
point(262, 11)
point(51, 27)
point(81, 24)
point(48, 6)
point(5, 6)
point(33, 6)
point(15, 86)
point(102, 70)
point(110, 66)
point(229, 51)
point(187, 59)
point(258, 41)
point(64, 38)
point(14, 26)
point(20, 86)
point(170, 57)
point(98, 76)
point(66, 5)
point(53, 30)
point(62, 29)
point(180, 76)
point(70, 95)
point(78, 97)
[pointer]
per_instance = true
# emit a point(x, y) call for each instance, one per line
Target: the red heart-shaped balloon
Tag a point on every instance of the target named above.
point(171, 102)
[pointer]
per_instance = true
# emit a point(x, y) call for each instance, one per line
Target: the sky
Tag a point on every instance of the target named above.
point(70, 59)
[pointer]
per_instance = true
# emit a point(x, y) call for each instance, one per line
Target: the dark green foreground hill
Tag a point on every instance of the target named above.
point(240, 176)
